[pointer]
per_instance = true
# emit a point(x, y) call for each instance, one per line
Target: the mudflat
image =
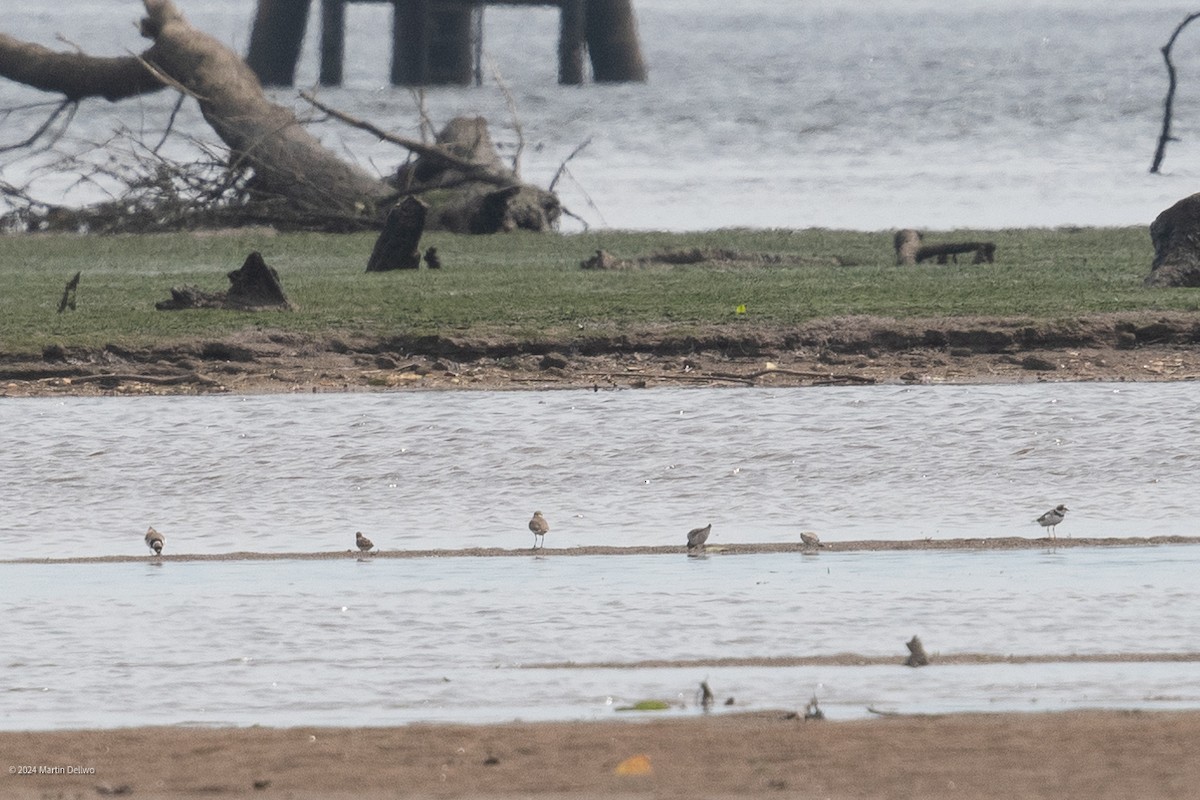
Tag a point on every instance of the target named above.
point(1081, 754)
point(852, 351)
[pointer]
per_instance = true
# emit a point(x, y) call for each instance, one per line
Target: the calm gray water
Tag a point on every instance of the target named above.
point(393, 641)
point(420, 470)
point(843, 113)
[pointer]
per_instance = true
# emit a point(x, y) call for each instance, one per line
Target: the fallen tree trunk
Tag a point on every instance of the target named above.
point(486, 196)
point(985, 252)
point(289, 178)
point(286, 160)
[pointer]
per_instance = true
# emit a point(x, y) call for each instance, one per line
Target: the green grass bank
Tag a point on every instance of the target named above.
point(531, 286)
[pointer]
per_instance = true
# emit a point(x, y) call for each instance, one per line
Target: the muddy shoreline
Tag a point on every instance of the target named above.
point(1099, 755)
point(849, 351)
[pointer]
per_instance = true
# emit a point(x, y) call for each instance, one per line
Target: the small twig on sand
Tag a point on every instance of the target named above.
point(156, 380)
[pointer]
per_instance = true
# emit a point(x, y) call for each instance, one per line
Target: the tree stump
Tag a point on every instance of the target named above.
point(254, 287)
point(398, 244)
point(906, 242)
point(916, 653)
point(1175, 234)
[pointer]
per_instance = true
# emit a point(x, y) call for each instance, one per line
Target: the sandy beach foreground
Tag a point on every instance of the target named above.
point(1086, 754)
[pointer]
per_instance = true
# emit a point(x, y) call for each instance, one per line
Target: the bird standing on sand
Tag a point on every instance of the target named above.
point(154, 540)
point(540, 528)
point(364, 544)
point(1052, 517)
point(810, 539)
point(698, 536)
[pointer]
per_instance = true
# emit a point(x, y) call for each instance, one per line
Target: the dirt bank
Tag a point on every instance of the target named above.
point(851, 351)
point(1093, 754)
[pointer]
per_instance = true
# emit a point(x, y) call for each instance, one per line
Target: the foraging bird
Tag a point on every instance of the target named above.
point(810, 539)
point(706, 696)
point(364, 544)
point(1052, 517)
point(154, 540)
point(540, 528)
point(698, 536)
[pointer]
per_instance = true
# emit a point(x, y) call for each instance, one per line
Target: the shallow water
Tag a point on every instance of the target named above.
point(423, 471)
point(396, 640)
point(842, 113)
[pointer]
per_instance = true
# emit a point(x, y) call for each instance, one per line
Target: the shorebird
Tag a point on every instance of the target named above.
point(154, 540)
point(364, 544)
point(810, 539)
point(1052, 517)
point(540, 528)
point(698, 536)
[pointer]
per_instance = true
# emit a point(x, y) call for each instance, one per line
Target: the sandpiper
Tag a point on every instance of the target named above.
point(810, 539)
point(540, 528)
point(698, 536)
point(364, 544)
point(1052, 517)
point(154, 540)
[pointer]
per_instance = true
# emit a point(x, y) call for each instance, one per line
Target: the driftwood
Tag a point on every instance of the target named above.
point(910, 250)
point(713, 257)
point(68, 295)
point(254, 287)
point(398, 245)
point(916, 653)
point(985, 252)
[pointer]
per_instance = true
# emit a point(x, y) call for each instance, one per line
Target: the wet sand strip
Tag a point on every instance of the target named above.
point(866, 545)
point(858, 660)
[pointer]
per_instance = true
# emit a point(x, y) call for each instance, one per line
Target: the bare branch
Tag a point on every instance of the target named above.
point(427, 129)
point(170, 124)
point(1161, 150)
point(563, 166)
point(511, 102)
point(432, 151)
point(33, 137)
